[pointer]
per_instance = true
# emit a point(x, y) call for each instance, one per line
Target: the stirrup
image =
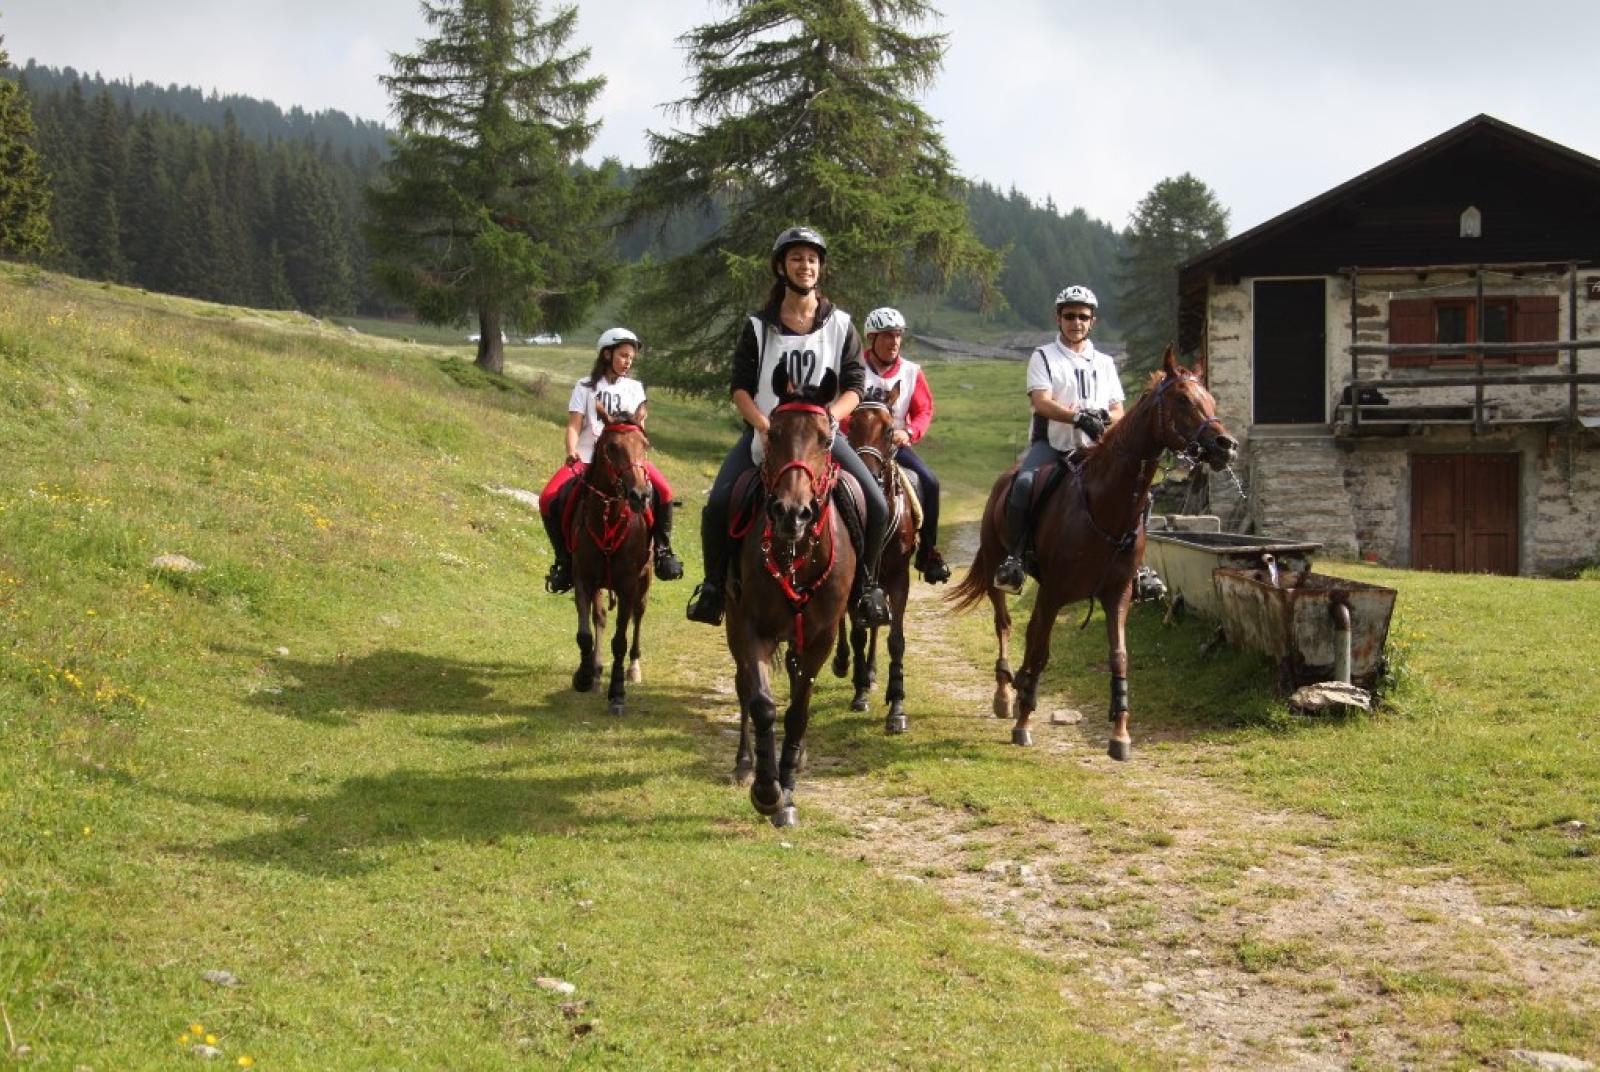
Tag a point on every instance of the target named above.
point(1010, 575)
point(559, 579)
point(669, 567)
point(705, 605)
point(872, 608)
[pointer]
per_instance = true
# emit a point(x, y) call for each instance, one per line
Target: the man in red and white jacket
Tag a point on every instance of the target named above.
point(913, 412)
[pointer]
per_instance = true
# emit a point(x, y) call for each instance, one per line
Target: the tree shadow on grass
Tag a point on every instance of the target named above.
point(372, 821)
point(333, 692)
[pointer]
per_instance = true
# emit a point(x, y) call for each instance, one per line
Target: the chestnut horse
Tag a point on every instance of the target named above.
point(1089, 537)
point(871, 429)
point(611, 552)
point(795, 579)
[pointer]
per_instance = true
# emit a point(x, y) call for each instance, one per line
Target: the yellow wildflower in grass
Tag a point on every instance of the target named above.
point(88, 830)
point(246, 1061)
point(196, 1029)
point(211, 1040)
point(183, 1040)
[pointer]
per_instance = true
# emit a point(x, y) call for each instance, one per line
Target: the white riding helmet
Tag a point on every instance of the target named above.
point(885, 319)
point(615, 336)
point(1077, 295)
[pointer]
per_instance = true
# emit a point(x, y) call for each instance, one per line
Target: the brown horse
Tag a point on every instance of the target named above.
point(612, 553)
point(796, 577)
point(1090, 537)
point(871, 431)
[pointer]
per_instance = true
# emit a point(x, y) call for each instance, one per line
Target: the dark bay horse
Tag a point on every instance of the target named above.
point(796, 576)
point(871, 431)
point(1090, 537)
point(611, 553)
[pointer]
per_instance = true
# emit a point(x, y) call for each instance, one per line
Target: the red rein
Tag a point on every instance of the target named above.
point(798, 594)
point(613, 529)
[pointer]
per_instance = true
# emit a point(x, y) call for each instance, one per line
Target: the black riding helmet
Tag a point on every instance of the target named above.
point(796, 236)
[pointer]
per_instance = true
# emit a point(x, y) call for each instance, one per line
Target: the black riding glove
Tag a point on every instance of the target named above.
point(1092, 422)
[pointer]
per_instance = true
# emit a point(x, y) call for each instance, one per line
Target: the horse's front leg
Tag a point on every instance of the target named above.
point(803, 672)
point(1120, 746)
point(583, 676)
point(1005, 696)
point(1034, 660)
point(617, 693)
point(766, 796)
point(864, 644)
point(895, 720)
point(635, 666)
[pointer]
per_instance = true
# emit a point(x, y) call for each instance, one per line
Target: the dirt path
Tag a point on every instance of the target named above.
point(1245, 944)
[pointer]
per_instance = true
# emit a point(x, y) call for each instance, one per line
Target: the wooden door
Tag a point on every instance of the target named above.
point(1464, 515)
point(1289, 359)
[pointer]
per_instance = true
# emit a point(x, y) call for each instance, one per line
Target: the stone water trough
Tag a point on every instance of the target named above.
point(1264, 594)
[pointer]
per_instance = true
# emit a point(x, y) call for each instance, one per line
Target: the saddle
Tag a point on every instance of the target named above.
point(749, 494)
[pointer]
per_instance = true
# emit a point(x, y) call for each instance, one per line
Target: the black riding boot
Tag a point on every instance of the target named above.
point(559, 579)
point(706, 604)
point(669, 567)
point(1010, 575)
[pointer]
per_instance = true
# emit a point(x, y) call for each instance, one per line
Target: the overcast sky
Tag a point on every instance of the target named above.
point(1270, 103)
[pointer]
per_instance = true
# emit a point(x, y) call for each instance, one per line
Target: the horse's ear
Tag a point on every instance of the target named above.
point(1169, 364)
point(1200, 367)
point(828, 389)
point(894, 395)
point(782, 386)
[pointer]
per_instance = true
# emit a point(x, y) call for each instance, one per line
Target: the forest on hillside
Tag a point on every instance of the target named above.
point(233, 199)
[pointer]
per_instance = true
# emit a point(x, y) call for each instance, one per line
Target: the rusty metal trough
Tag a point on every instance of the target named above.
point(1319, 628)
point(1186, 561)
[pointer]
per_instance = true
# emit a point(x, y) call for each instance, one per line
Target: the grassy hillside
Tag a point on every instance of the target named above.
point(341, 762)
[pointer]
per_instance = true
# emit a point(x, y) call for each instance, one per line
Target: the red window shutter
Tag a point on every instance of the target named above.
point(1410, 320)
point(1538, 319)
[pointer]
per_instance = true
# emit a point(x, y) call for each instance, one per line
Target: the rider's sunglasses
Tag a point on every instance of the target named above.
point(1085, 317)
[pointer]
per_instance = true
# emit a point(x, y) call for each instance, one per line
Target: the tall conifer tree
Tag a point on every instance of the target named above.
point(24, 193)
point(804, 112)
point(483, 208)
point(1179, 218)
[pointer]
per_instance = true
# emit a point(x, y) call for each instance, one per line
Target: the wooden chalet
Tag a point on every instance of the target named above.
point(1412, 359)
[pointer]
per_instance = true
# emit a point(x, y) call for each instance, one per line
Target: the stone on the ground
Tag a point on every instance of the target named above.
point(208, 1053)
point(175, 563)
point(1065, 716)
point(555, 986)
point(219, 977)
point(1552, 1062)
point(527, 498)
point(1330, 695)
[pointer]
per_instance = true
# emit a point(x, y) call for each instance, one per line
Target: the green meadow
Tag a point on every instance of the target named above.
point(340, 761)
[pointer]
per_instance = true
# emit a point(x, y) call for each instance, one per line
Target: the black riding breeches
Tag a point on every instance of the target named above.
point(1039, 452)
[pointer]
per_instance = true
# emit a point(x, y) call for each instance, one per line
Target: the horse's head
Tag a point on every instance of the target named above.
point(871, 429)
point(619, 458)
point(798, 469)
point(1185, 416)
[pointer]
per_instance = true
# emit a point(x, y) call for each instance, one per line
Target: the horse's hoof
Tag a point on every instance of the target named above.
point(615, 707)
point(1022, 735)
point(841, 665)
point(785, 817)
point(635, 673)
point(1120, 750)
point(582, 680)
point(861, 702)
point(1003, 699)
point(742, 776)
point(766, 797)
point(895, 724)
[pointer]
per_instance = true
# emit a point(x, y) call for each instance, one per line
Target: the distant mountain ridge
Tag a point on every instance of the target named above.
point(258, 120)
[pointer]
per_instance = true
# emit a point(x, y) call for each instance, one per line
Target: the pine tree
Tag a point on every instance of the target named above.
point(1179, 218)
point(100, 234)
point(482, 208)
point(24, 194)
point(311, 232)
point(804, 113)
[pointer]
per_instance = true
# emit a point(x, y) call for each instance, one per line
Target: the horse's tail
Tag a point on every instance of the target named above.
point(975, 586)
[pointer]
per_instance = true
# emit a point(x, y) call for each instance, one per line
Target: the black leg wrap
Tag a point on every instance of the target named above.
point(1119, 697)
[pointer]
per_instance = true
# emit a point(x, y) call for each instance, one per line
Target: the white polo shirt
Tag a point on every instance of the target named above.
point(619, 396)
point(1079, 380)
